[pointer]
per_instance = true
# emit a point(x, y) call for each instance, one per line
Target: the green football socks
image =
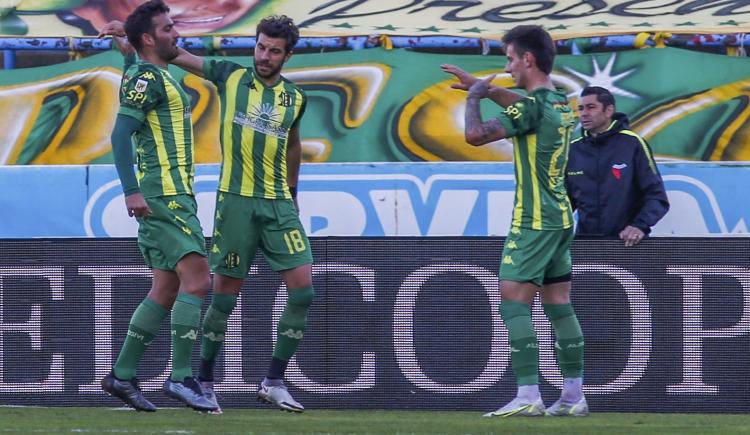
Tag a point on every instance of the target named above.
point(144, 325)
point(524, 347)
point(293, 321)
point(568, 338)
point(186, 316)
point(214, 330)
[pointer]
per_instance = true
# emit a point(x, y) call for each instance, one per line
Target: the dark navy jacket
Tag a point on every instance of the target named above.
point(612, 180)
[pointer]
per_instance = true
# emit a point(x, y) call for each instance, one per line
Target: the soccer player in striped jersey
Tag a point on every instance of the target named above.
point(256, 200)
point(155, 114)
point(536, 254)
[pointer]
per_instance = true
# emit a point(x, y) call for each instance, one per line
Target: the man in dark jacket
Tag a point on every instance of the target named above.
point(611, 177)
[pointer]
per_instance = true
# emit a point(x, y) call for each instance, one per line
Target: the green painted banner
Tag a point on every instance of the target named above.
point(391, 105)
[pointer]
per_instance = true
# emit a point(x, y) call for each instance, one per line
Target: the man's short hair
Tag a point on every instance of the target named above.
point(602, 95)
point(534, 39)
point(279, 26)
point(140, 21)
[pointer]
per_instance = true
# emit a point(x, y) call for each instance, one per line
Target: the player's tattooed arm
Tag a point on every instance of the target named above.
point(478, 132)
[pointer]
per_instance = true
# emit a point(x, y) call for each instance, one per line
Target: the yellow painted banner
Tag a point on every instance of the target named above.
point(470, 18)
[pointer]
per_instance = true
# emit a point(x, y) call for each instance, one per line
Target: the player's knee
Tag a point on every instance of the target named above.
point(512, 309)
point(301, 297)
point(197, 287)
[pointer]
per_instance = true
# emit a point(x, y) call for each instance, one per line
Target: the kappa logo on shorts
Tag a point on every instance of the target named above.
point(512, 244)
point(507, 259)
point(232, 260)
point(173, 205)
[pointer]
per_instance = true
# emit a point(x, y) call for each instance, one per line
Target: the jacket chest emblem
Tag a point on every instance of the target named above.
point(617, 170)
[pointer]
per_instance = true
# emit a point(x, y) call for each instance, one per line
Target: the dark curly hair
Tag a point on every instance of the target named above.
point(140, 21)
point(279, 26)
point(534, 39)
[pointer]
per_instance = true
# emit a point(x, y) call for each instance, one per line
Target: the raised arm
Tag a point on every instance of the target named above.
point(116, 29)
point(185, 60)
point(476, 131)
point(501, 96)
point(189, 62)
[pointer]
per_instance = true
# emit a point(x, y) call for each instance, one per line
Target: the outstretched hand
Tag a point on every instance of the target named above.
point(465, 79)
point(481, 88)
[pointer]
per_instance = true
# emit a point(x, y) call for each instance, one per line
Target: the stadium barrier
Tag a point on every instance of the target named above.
point(397, 323)
point(719, 43)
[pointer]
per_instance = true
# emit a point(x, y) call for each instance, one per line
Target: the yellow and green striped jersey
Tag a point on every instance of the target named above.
point(256, 121)
point(164, 142)
point(541, 125)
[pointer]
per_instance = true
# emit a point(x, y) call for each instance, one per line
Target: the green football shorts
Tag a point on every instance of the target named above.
point(171, 231)
point(538, 257)
point(243, 224)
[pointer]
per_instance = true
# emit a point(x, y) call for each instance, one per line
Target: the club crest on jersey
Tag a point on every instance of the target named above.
point(141, 85)
point(617, 170)
point(285, 100)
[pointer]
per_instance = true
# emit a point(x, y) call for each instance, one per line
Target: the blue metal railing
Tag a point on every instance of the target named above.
point(576, 46)
point(360, 42)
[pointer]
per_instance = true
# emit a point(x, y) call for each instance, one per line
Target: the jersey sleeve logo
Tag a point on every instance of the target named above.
point(141, 85)
point(514, 111)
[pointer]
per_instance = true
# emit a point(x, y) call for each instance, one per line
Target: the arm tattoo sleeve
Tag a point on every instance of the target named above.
point(480, 131)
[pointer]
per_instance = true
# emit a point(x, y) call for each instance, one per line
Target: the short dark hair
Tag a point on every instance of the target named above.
point(534, 39)
point(140, 21)
point(602, 95)
point(279, 26)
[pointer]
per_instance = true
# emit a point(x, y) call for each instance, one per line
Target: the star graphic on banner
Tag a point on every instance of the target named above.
point(643, 24)
point(472, 30)
point(344, 26)
point(686, 23)
point(730, 23)
point(600, 24)
point(604, 77)
point(429, 29)
point(559, 27)
point(386, 27)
